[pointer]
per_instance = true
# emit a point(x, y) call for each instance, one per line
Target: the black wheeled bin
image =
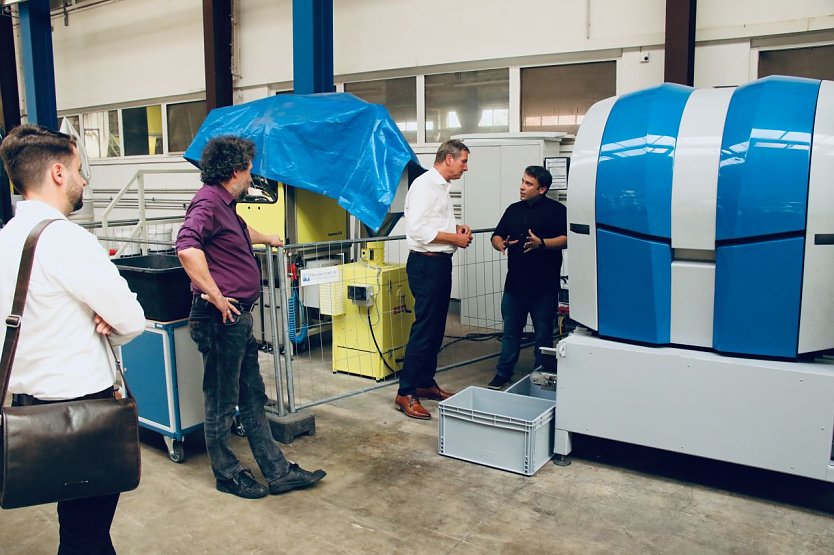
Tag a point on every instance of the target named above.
point(160, 284)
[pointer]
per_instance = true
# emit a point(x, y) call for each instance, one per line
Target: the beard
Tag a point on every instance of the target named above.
point(75, 196)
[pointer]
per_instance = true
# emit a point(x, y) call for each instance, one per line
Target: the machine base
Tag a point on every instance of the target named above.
point(767, 414)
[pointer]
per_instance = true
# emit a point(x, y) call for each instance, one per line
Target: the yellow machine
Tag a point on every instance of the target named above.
point(317, 218)
point(372, 309)
point(264, 207)
point(297, 215)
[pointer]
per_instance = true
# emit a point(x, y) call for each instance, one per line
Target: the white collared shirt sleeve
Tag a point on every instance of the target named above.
point(428, 210)
point(76, 261)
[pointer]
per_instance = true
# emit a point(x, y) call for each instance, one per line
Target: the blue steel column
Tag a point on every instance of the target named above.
point(312, 46)
point(38, 64)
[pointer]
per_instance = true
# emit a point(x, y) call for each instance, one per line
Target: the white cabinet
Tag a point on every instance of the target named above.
point(496, 165)
point(479, 198)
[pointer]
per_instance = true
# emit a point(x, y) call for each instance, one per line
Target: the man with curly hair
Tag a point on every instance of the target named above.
point(214, 245)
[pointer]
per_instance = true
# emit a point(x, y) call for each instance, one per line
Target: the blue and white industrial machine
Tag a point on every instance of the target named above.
point(701, 237)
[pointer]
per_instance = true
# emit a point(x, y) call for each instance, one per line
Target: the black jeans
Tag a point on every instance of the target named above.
point(84, 524)
point(430, 281)
point(232, 377)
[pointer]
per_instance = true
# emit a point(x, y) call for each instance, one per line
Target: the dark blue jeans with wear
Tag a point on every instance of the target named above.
point(232, 378)
point(514, 310)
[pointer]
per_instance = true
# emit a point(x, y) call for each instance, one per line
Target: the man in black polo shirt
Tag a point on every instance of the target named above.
point(532, 233)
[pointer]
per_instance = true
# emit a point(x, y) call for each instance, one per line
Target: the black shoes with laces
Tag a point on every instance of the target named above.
point(498, 382)
point(295, 478)
point(243, 485)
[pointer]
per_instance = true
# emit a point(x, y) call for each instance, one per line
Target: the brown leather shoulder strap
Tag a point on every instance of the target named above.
point(14, 319)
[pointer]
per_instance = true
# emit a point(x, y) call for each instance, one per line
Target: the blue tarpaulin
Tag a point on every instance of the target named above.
point(333, 144)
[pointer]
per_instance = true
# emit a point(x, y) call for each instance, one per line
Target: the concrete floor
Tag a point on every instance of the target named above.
point(388, 491)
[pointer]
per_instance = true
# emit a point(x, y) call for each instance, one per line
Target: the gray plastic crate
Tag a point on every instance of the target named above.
point(497, 429)
point(525, 387)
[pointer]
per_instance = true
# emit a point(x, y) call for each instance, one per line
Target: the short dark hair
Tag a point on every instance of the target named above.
point(453, 147)
point(28, 150)
point(541, 174)
point(224, 155)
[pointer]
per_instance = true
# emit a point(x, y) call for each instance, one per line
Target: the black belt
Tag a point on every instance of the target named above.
point(424, 253)
point(244, 307)
point(26, 400)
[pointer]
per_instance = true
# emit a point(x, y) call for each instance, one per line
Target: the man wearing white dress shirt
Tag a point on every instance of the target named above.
point(76, 297)
point(433, 237)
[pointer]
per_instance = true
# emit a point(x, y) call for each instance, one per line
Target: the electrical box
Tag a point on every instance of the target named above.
point(361, 295)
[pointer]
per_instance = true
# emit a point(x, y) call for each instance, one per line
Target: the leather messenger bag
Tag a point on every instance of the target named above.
point(68, 449)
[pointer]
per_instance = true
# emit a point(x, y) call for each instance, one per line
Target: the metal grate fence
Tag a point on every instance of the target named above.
point(344, 311)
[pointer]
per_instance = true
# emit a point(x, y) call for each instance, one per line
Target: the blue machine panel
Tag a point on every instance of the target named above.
point(765, 158)
point(144, 359)
point(634, 174)
point(635, 287)
point(757, 294)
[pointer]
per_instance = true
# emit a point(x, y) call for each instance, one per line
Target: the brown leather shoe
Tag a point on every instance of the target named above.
point(434, 393)
point(411, 406)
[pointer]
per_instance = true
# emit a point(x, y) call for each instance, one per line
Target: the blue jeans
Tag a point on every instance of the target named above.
point(232, 377)
point(514, 310)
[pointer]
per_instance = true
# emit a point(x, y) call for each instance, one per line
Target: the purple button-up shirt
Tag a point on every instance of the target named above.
point(212, 225)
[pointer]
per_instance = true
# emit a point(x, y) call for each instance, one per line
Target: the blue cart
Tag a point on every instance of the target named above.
point(165, 372)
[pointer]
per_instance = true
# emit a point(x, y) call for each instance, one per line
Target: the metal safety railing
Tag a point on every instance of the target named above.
point(139, 232)
point(339, 314)
point(334, 317)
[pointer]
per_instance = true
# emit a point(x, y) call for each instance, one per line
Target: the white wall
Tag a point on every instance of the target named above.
point(125, 51)
point(720, 19)
point(722, 64)
point(635, 73)
point(130, 51)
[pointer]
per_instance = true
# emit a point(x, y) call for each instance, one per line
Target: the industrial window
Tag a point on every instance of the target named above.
point(101, 134)
point(816, 62)
point(399, 96)
point(556, 98)
point(467, 102)
point(184, 120)
point(142, 130)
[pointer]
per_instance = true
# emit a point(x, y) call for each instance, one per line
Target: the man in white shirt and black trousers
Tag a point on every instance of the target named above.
point(76, 296)
point(433, 237)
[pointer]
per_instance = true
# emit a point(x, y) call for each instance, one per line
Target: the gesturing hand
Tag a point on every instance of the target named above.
point(504, 244)
point(533, 242)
